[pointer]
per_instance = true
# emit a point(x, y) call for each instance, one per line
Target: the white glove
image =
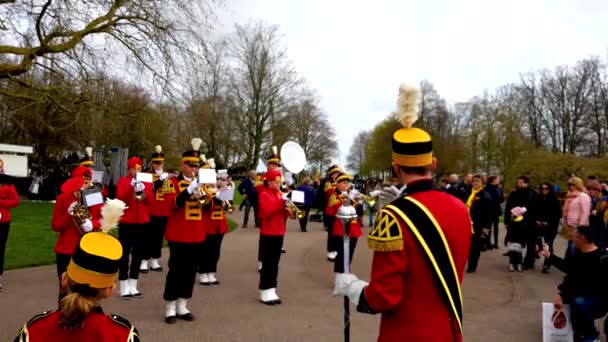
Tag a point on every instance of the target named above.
point(133, 182)
point(193, 186)
point(87, 226)
point(198, 193)
point(347, 284)
point(375, 193)
point(71, 208)
point(163, 176)
point(387, 195)
point(139, 187)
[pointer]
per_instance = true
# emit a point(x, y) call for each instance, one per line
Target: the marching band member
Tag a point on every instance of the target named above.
point(185, 234)
point(89, 279)
point(63, 221)
point(214, 221)
point(272, 163)
point(89, 162)
point(133, 226)
point(329, 216)
point(334, 203)
point(8, 200)
point(421, 242)
point(273, 213)
point(159, 214)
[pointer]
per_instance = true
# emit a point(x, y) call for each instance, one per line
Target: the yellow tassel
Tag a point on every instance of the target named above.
point(385, 246)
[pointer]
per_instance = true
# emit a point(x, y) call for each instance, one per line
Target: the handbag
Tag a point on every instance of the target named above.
point(515, 247)
point(557, 326)
point(567, 231)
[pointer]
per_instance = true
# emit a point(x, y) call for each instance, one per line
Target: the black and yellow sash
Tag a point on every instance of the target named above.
point(430, 236)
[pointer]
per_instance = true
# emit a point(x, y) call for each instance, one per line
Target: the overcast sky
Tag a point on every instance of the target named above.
point(356, 53)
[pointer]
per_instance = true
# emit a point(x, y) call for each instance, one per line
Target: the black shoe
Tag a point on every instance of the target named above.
point(545, 270)
point(283, 251)
point(159, 269)
point(270, 302)
point(138, 295)
point(187, 317)
point(495, 247)
point(171, 319)
point(470, 271)
point(126, 297)
point(143, 271)
point(277, 302)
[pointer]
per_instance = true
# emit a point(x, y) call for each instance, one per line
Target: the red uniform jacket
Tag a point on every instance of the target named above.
point(69, 233)
point(157, 206)
point(402, 285)
point(8, 200)
point(330, 210)
point(214, 218)
point(97, 327)
point(137, 211)
point(333, 204)
point(185, 223)
point(272, 212)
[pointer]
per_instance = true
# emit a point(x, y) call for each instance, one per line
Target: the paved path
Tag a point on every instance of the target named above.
point(499, 306)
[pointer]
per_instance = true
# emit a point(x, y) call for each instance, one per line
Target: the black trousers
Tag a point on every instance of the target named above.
point(210, 254)
point(271, 255)
point(331, 242)
point(494, 224)
point(4, 228)
point(248, 205)
point(63, 261)
point(531, 253)
point(304, 220)
point(476, 241)
point(132, 239)
point(183, 259)
point(547, 262)
point(255, 206)
point(153, 238)
point(339, 263)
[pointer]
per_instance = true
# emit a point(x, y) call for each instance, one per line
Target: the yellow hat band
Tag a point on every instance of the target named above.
point(157, 159)
point(191, 160)
point(413, 161)
point(343, 178)
point(87, 163)
point(334, 170)
point(93, 279)
point(274, 160)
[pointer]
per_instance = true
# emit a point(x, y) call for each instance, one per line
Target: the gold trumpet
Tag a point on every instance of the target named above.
point(80, 213)
point(296, 213)
point(227, 206)
point(371, 200)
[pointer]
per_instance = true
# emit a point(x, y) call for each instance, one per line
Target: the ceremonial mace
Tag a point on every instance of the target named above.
point(346, 214)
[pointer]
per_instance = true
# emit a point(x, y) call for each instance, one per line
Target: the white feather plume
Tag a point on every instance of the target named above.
point(275, 150)
point(211, 163)
point(203, 158)
point(407, 105)
point(196, 143)
point(158, 148)
point(111, 213)
point(89, 151)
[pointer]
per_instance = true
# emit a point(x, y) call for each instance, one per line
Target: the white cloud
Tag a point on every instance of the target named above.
point(356, 53)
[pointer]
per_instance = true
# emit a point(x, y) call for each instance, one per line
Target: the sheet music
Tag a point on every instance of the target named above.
point(144, 177)
point(298, 196)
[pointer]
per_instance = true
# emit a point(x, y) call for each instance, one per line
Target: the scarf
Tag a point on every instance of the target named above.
point(471, 198)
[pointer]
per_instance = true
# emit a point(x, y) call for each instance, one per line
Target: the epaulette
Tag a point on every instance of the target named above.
point(133, 333)
point(386, 236)
point(23, 334)
point(39, 316)
point(168, 187)
point(333, 200)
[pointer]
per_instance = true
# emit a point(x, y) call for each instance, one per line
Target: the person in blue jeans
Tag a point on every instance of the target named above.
point(585, 285)
point(247, 190)
point(309, 196)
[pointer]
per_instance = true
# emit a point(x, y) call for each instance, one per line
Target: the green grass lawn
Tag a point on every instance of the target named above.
point(31, 240)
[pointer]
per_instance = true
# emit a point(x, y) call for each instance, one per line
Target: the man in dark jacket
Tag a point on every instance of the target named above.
point(497, 198)
point(523, 196)
point(250, 198)
point(479, 203)
point(309, 196)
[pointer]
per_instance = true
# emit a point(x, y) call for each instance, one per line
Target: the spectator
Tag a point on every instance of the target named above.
point(585, 283)
point(8, 200)
point(597, 219)
point(309, 196)
point(497, 196)
point(247, 190)
point(479, 203)
point(523, 197)
point(547, 211)
point(455, 189)
point(372, 186)
point(577, 210)
point(517, 236)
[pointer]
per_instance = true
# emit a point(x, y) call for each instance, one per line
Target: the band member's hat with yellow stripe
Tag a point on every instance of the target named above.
point(192, 157)
point(96, 260)
point(274, 157)
point(158, 156)
point(87, 160)
point(333, 169)
point(411, 146)
point(343, 177)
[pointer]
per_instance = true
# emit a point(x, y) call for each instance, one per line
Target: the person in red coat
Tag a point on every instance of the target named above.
point(185, 234)
point(159, 214)
point(329, 214)
point(334, 203)
point(214, 221)
point(273, 162)
point(273, 213)
point(89, 279)
point(421, 242)
point(89, 162)
point(62, 221)
point(8, 200)
point(133, 226)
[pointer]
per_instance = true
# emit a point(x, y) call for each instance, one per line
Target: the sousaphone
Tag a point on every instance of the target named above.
point(293, 157)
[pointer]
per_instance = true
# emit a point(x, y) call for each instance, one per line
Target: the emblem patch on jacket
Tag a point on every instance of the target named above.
point(386, 236)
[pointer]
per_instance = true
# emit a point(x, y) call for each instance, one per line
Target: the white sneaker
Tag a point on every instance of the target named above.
point(511, 268)
point(203, 279)
point(266, 297)
point(133, 288)
point(331, 256)
point(259, 266)
point(182, 308)
point(155, 265)
point(170, 309)
point(273, 296)
point(212, 279)
point(125, 292)
point(143, 267)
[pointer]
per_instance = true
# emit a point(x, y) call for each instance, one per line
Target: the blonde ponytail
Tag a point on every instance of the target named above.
point(76, 305)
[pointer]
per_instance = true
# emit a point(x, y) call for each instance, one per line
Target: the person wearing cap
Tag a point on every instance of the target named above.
point(214, 221)
point(159, 214)
point(598, 219)
point(133, 226)
point(329, 215)
point(185, 234)
point(273, 214)
point(421, 242)
point(89, 279)
point(89, 162)
point(8, 200)
point(63, 222)
point(334, 203)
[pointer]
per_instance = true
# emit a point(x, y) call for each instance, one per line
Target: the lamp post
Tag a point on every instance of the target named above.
point(346, 214)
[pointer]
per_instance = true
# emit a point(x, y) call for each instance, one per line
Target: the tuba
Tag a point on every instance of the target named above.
point(80, 213)
point(293, 159)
